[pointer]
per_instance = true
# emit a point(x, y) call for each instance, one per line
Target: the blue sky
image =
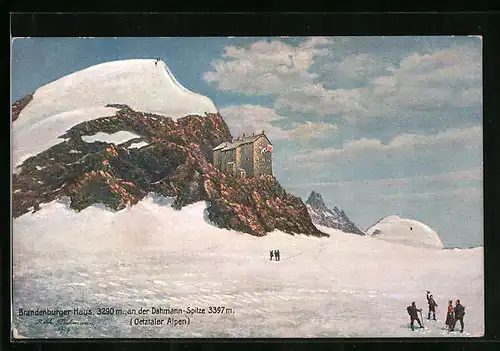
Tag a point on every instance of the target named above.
point(377, 125)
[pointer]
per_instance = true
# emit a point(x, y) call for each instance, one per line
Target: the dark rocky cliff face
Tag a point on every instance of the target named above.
point(322, 215)
point(18, 106)
point(176, 162)
point(255, 205)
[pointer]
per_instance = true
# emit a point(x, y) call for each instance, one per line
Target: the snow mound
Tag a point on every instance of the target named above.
point(29, 139)
point(140, 84)
point(405, 231)
point(115, 138)
point(138, 145)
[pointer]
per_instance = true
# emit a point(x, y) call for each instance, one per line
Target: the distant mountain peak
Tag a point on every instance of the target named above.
point(322, 215)
point(316, 201)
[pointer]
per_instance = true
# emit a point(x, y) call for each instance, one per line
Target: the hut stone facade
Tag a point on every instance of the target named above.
point(248, 156)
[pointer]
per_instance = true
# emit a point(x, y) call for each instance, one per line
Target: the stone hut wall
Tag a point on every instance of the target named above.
point(262, 160)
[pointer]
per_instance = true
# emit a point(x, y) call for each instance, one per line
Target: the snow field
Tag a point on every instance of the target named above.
point(151, 255)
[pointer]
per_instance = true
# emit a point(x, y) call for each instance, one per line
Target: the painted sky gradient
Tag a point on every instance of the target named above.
point(377, 125)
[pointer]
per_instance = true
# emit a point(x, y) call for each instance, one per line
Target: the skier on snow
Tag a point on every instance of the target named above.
point(459, 315)
point(413, 312)
point(270, 255)
point(432, 306)
point(449, 314)
point(278, 255)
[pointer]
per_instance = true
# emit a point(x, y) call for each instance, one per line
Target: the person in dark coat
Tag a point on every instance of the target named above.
point(278, 252)
point(449, 315)
point(270, 255)
point(432, 306)
point(459, 316)
point(275, 255)
point(413, 312)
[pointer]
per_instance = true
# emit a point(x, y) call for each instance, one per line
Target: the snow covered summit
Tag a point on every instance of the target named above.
point(405, 231)
point(143, 84)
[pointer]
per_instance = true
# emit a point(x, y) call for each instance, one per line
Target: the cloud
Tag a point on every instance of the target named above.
point(354, 67)
point(449, 77)
point(255, 118)
point(432, 80)
point(315, 99)
point(266, 67)
point(469, 194)
point(471, 137)
point(480, 37)
point(310, 130)
point(468, 175)
point(470, 96)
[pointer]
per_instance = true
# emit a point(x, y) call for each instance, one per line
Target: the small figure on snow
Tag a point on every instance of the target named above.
point(278, 255)
point(413, 312)
point(275, 255)
point(270, 255)
point(459, 315)
point(432, 306)
point(449, 315)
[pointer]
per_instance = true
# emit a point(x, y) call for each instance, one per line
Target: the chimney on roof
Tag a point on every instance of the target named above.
point(243, 135)
point(253, 133)
point(262, 132)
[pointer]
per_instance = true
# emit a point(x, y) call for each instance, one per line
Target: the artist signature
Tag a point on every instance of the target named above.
point(63, 325)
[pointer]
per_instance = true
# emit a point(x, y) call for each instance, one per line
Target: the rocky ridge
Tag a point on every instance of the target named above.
point(175, 161)
point(336, 218)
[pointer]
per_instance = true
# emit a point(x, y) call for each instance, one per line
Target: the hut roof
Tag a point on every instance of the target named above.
point(226, 146)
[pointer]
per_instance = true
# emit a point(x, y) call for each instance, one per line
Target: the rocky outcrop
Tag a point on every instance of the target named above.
point(175, 161)
point(322, 215)
point(255, 205)
point(19, 105)
point(116, 175)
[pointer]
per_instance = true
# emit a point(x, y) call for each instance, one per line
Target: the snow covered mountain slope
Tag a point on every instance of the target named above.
point(322, 215)
point(29, 140)
point(405, 231)
point(151, 255)
point(143, 85)
point(139, 83)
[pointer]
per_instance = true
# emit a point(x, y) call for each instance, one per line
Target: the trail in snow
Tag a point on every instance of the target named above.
point(150, 255)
